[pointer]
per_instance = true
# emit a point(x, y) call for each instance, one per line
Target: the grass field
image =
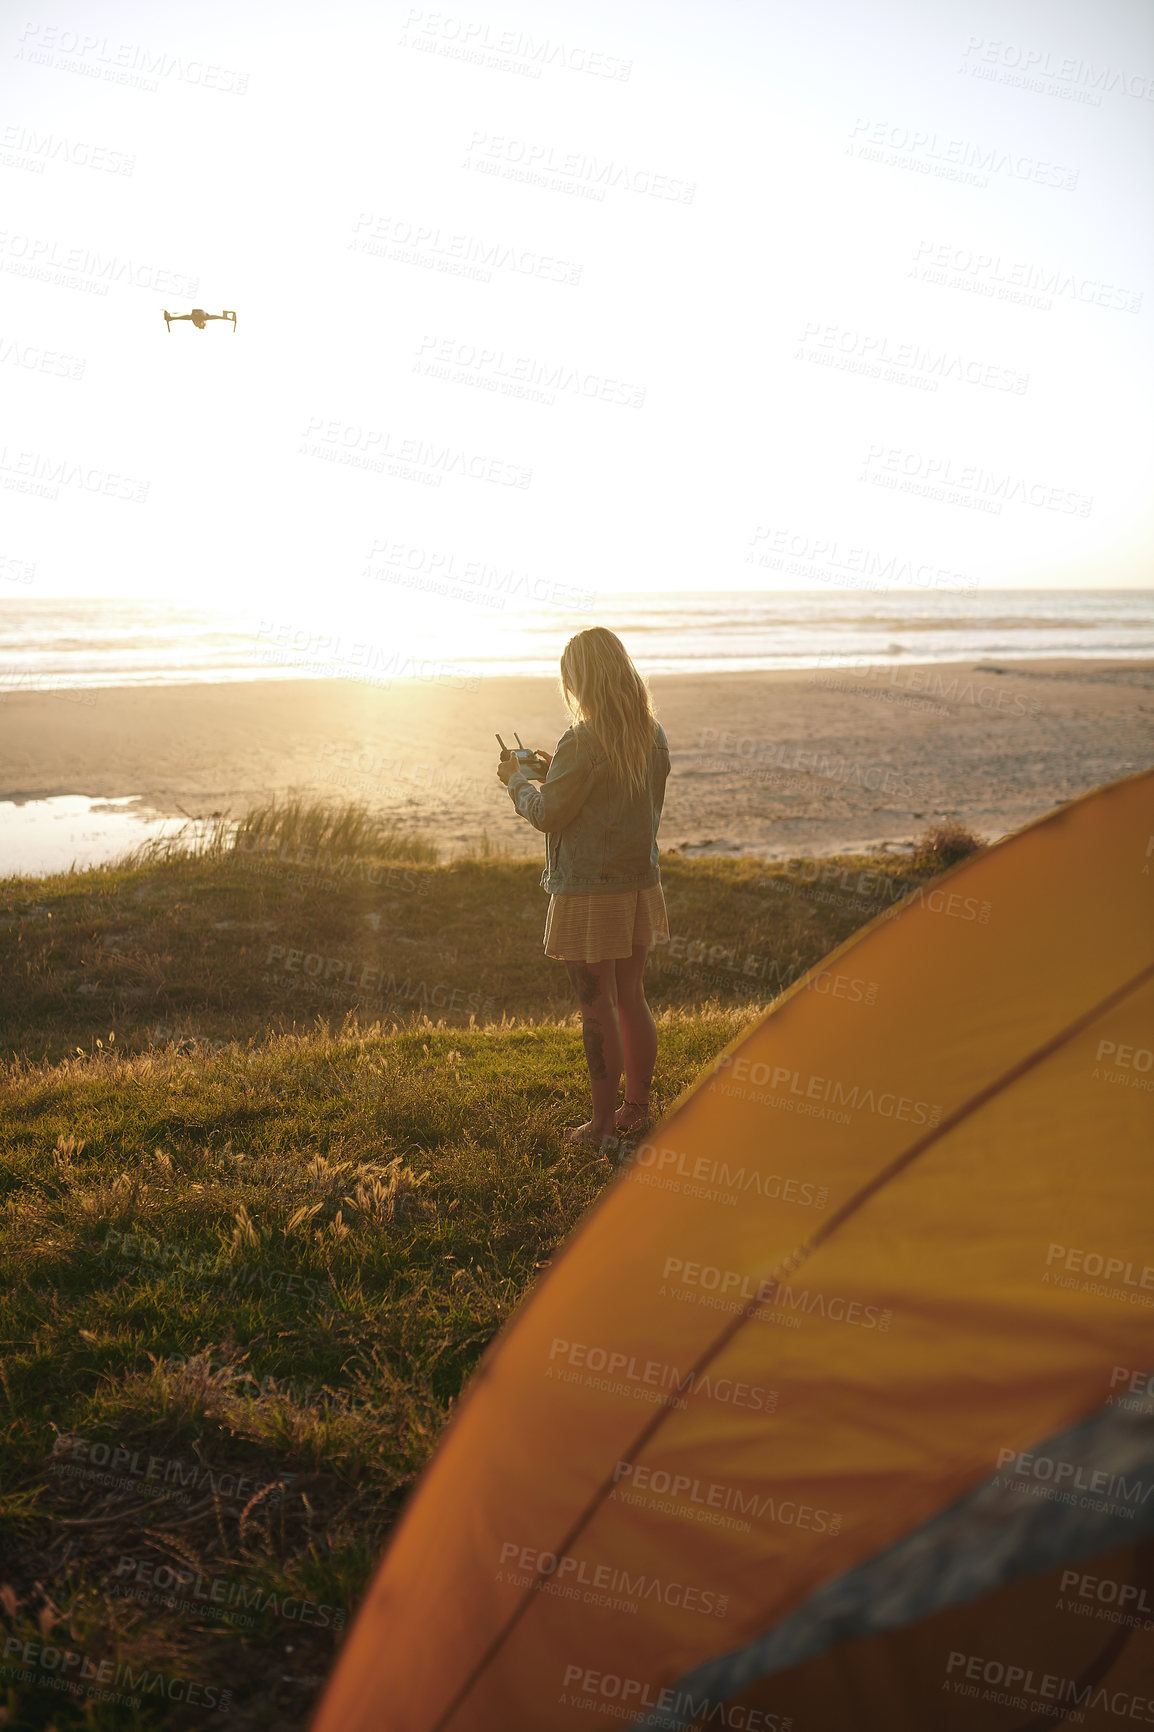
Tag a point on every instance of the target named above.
point(281, 1153)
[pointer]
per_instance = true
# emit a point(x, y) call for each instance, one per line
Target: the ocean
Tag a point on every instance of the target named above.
point(404, 633)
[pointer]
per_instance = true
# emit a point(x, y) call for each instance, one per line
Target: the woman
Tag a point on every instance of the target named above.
point(600, 805)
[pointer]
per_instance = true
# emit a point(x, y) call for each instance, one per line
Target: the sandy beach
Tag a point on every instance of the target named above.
point(773, 764)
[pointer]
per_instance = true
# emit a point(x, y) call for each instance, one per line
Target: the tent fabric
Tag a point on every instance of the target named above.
point(989, 1538)
point(893, 1237)
point(1037, 1653)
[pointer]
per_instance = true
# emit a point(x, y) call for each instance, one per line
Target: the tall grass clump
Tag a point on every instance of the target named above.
point(943, 844)
point(338, 831)
point(290, 827)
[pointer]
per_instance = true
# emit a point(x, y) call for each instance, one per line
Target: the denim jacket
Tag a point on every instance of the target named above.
point(597, 838)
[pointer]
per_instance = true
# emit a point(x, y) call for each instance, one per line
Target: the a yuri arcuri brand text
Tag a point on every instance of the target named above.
point(379, 235)
point(363, 869)
point(39, 473)
point(518, 375)
point(1132, 1390)
point(826, 1091)
point(942, 477)
point(151, 1582)
point(1020, 281)
point(867, 677)
point(850, 566)
point(442, 571)
point(17, 570)
point(713, 1501)
point(1066, 1475)
point(876, 355)
point(1069, 69)
point(1022, 1685)
point(1120, 1270)
point(572, 1574)
point(799, 763)
point(736, 1290)
point(673, 1167)
point(132, 63)
point(624, 1697)
point(958, 159)
point(344, 975)
point(381, 449)
point(41, 253)
point(655, 1375)
point(32, 359)
point(476, 40)
point(535, 161)
point(72, 1666)
point(1106, 1591)
point(693, 959)
point(24, 147)
point(1126, 1057)
point(135, 1469)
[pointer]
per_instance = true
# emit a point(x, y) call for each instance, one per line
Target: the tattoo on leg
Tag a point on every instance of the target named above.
point(594, 1050)
point(585, 980)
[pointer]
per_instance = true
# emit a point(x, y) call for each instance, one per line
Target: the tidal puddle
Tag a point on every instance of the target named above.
point(50, 835)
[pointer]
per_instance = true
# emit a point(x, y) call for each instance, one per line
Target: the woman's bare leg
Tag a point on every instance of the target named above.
point(596, 987)
point(638, 1031)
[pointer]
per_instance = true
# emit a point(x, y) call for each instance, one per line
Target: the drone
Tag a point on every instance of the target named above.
point(199, 318)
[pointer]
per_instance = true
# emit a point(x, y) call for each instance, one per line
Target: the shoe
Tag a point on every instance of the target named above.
point(582, 1135)
point(636, 1119)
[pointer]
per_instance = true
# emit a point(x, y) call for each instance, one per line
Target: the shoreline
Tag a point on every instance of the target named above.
point(467, 680)
point(773, 763)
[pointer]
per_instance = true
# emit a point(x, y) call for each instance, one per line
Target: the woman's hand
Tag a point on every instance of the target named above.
point(507, 765)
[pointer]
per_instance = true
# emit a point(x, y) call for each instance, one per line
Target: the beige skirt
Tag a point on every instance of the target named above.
point(585, 928)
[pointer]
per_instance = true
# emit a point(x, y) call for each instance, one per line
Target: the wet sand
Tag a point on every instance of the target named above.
point(772, 764)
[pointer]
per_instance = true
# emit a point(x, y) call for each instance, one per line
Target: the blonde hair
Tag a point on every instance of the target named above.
point(603, 689)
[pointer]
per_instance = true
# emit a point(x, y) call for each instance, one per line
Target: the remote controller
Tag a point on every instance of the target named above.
point(526, 760)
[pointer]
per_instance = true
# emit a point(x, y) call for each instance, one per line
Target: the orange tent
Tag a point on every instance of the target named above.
point(837, 1411)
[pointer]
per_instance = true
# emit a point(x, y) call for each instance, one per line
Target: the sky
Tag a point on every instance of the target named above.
point(630, 298)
